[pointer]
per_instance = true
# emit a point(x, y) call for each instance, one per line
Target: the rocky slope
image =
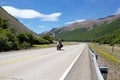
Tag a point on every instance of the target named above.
point(13, 22)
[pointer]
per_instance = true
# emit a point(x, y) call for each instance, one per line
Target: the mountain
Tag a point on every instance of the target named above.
point(88, 30)
point(13, 22)
point(86, 24)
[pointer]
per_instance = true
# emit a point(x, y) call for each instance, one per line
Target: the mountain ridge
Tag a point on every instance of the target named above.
point(89, 24)
point(101, 30)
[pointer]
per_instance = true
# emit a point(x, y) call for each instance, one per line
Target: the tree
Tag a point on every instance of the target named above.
point(48, 38)
point(3, 23)
point(26, 37)
point(7, 40)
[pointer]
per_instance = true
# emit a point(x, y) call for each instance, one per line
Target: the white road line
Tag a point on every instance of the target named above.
point(69, 68)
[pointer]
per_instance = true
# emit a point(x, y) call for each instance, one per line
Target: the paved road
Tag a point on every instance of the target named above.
point(40, 64)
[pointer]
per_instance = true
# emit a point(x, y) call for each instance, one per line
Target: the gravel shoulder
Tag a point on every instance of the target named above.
point(113, 70)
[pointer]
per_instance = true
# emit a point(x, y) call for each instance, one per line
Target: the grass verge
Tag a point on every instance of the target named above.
point(44, 46)
point(53, 45)
point(105, 54)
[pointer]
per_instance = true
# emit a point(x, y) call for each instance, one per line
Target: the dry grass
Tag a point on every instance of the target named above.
point(108, 49)
point(106, 57)
point(44, 46)
point(104, 52)
point(54, 45)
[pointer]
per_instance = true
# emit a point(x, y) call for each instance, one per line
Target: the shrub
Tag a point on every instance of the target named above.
point(3, 23)
point(27, 37)
point(48, 38)
point(25, 45)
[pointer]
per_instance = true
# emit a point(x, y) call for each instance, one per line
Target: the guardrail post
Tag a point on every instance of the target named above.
point(104, 71)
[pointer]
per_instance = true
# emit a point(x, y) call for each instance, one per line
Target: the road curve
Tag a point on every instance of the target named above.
point(39, 64)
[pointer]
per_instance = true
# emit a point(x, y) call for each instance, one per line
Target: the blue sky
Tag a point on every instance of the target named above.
point(43, 15)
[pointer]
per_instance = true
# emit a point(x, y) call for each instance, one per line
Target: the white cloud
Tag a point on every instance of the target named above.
point(52, 17)
point(118, 11)
point(78, 20)
point(28, 13)
point(41, 26)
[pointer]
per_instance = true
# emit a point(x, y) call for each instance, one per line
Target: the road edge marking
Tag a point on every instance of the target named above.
point(69, 68)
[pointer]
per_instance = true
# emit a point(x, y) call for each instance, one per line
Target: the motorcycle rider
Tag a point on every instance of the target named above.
point(59, 44)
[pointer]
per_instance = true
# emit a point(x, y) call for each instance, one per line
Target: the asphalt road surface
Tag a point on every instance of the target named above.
point(71, 63)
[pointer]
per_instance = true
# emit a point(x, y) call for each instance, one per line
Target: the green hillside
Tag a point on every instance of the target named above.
point(15, 36)
point(9, 40)
point(98, 33)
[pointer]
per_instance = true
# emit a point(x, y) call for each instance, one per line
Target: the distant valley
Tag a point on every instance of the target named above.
point(91, 30)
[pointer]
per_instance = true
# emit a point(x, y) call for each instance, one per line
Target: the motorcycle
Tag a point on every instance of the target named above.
point(59, 46)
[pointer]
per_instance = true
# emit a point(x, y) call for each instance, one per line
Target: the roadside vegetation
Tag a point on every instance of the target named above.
point(106, 51)
point(11, 40)
point(35, 46)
